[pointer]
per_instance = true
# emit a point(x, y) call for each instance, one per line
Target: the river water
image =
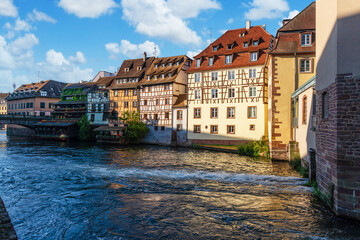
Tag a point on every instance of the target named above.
point(58, 190)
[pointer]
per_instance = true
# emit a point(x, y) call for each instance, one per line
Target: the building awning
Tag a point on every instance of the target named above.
point(109, 128)
point(304, 87)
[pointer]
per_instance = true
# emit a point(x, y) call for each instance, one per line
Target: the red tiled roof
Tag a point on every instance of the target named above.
point(181, 101)
point(288, 38)
point(105, 81)
point(241, 54)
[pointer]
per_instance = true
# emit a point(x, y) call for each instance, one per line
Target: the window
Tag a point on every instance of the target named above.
point(213, 112)
point(163, 65)
point(251, 112)
point(43, 93)
point(255, 43)
point(324, 105)
point(156, 128)
point(42, 105)
point(166, 87)
point(304, 110)
point(126, 69)
point(215, 48)
point(197, 94)
point(305, 65)
point(139, 68)
point(179, 127)
point(145, 102)
point(126, 104)
point(167, 101)
point(157, 101)
point(246, 44)
point(214, 93)
point(252, 127)
point(134, 104)
point(126, 92)
point(231, 93)
point(211, 61)
point(149, 89)
point(162, 75)
point(155, 77)
point(145, 116)
point(228, 59)
point(198, 61)
point(253, 56)
point(252, 91)
point(179, 115)
point(134, 92)
point(92, 117)
point(155, 65)
point(197, 129)
point(197, 77)
point(115, 93)
point(306, 39)
point(155, 116)
point(231, 75)
point(252, 73)
point(170, 64)
point(166, 115)
point(50, 104)
point(197, 112)
point(214, 76)
point(230, 112)
point(230, 129)
point(213, 129)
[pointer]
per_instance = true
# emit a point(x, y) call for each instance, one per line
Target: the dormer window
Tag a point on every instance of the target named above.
point(228, 59)
point(162, 75)
point(306, 39)
point(155, 77)
point(127, 69)
point(246, 44)
point(198, 61)
point(155, 65)
point(255, 43)
point(211, 61)
point(230, 46)
point(139, 68)
point(215, 48)
point(177, 63)
point(148, 78)
point(253, 57)
point(169, 75)
point(163, 65)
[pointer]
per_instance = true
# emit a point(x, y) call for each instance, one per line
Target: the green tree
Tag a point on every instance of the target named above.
point(135, 129)
point(85, 133)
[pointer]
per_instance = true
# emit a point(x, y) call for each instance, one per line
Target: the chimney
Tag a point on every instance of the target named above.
point(285, 21)
point(144, 57)
point(248, 25)
point(264, 26)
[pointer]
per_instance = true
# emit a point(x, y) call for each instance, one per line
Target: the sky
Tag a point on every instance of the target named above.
point(72, 40)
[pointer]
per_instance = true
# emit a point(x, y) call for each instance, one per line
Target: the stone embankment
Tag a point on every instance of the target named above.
point(6, 228)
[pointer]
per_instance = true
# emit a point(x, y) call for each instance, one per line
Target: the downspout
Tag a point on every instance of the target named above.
point(293, 133)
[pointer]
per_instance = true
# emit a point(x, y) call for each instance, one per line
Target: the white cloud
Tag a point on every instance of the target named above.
point(21, 44)
point(162, 19)
point(56, 58)
point(267, 9)
point(132, 50)
point(7, 79)
point(292, 14)
point(87, 8)
point(191, 8)
point(230, 21)
point(78, 59)
point(222, 31)
point(8, 9)
point(192, 54)
point(40, 16)
point(21, 25)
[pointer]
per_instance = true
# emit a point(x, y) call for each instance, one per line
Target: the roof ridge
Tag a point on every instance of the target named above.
point(294, 18)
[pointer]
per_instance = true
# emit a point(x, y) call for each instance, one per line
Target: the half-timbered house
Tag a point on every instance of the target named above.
point(227, 84)
point(163, 83)
point(124, 92)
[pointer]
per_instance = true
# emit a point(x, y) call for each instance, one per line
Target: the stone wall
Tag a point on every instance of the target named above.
point(338, 146)
point(17, 130)
point(6, 228)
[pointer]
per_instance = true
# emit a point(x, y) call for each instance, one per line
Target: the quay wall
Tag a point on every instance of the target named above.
point(6, 228)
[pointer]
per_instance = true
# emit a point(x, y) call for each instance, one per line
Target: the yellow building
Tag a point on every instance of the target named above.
point(124, 91)
point(3, 103)
point(293, 64)
point(227, 83)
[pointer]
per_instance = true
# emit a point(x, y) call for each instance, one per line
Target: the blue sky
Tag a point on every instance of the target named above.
point(70, 41)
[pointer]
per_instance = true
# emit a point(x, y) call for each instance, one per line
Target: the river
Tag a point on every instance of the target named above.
point(56, 190)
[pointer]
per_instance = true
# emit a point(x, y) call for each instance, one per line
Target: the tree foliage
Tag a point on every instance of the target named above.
point(85, 133)
point(135, 130)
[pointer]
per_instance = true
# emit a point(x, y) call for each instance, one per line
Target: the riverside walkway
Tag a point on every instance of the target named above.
point(6, 228)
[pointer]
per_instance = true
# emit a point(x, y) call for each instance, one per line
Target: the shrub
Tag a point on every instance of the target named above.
point(255, 149)
point(136, 130)
point(296, 164)
point(85, 133)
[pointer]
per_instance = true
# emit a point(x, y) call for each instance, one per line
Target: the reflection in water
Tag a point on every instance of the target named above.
point(79, 191)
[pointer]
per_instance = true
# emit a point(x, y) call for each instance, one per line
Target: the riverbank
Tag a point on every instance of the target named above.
point(6, 228)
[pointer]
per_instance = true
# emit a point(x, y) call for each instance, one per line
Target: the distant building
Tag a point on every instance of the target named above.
point(161, 87)
point(3, 103)
point(73, 104)
point(35, 99)
point(292, 64)
point(102, 74)
point(98, 102)
point(228, 86)
point(124, 90)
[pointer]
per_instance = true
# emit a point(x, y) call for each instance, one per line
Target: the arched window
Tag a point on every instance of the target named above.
point(304, 110)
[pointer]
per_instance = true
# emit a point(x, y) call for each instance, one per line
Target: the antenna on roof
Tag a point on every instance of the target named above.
point(14, 86)
point(155, 50)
